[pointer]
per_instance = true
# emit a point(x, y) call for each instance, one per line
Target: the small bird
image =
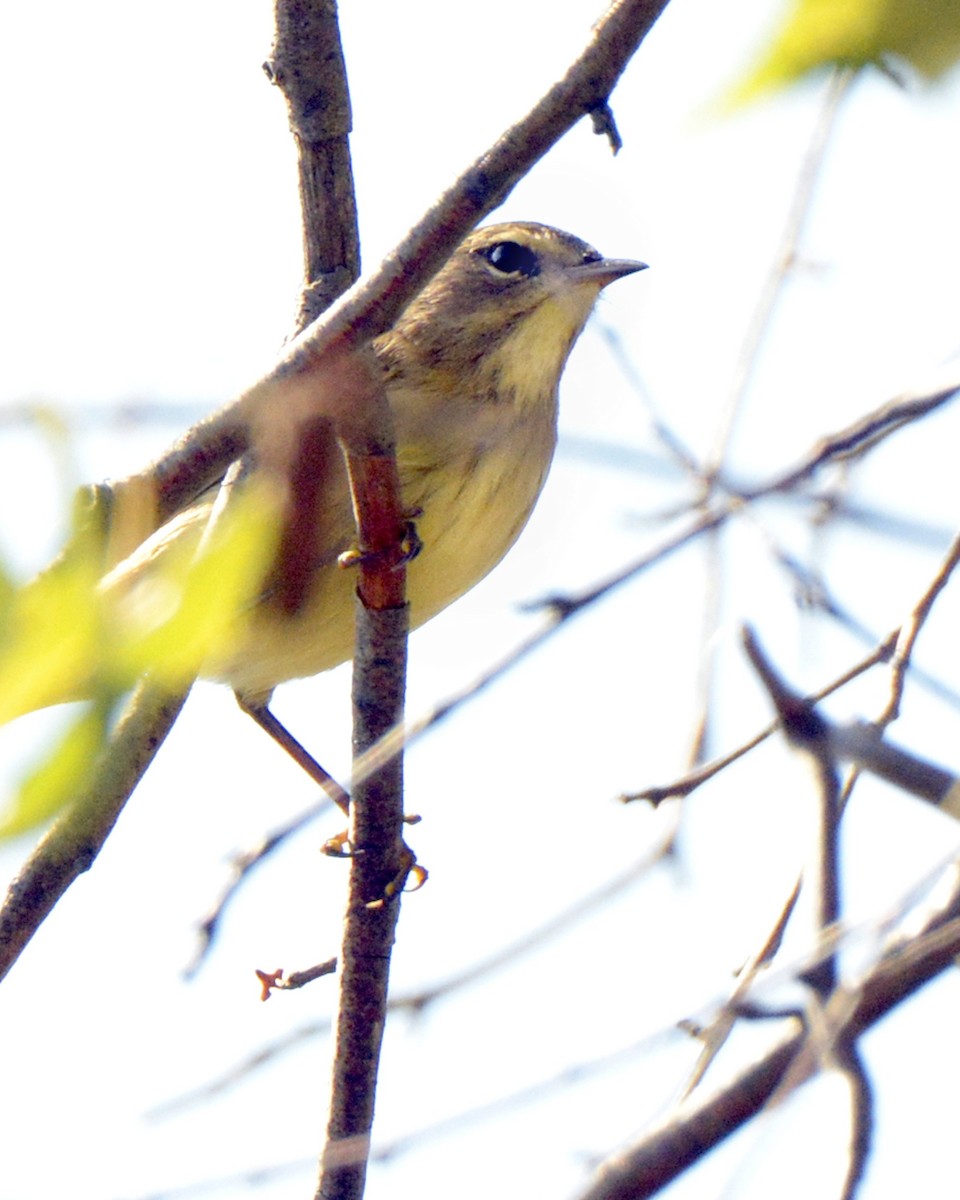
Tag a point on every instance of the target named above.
point(471, 370)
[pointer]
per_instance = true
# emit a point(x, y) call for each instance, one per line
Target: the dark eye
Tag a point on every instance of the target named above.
point(512, 259)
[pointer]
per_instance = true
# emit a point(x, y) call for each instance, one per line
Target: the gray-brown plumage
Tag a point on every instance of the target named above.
point(471, 371)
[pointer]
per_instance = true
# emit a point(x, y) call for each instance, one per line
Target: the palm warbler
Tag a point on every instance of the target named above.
point(471, 371)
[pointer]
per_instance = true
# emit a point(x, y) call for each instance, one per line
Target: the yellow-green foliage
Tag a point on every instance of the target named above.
point(818, 34)
point(63, 637)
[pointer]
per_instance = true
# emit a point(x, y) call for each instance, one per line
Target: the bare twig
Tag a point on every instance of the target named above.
point(861, 743)
point(498, 1108)
point(680, 453)
point(562, 922)
point(857, 438)
point(885, 419)
point(700, 1124)
point(241, 864)
point(568, 1077)
point(582, 909)
point(866, 433)
point(850, 1062)
point(807, 730)
point(910, 631)
point(72, 844)
point(306, 63)
point(904, 640)
point(690, 782)
point(201, 456)
point(714, 1035)
point(277, 981)
point(783, 262)
point(707, 658)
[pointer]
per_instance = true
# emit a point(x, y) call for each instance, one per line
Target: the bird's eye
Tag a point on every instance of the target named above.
point(512, 259)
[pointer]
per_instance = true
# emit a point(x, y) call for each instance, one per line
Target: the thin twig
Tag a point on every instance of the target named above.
point(691, 781)
point(714, 1035)
point(203, 454)
point(707, 658)
point(910, 631)
point(241, 865)
point(680, 453)
point(701, 1123)
point(888, 417)
point(783, 261)
point(808, 732)
point(72, 844)
point(306, 64)
point(581, 909)
point(370, 308)
point(866, 433)
point(559, 924)
point(851, 1063)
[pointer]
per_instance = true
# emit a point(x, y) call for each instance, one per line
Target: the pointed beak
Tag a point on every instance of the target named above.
point(605, 270)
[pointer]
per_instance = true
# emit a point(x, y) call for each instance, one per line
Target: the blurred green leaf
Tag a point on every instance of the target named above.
point(191, 605)
point(64, 637)
point(60, 777)
point(50, 633)
point(819, 34)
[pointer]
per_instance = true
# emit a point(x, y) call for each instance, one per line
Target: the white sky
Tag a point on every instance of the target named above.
point(150, 252)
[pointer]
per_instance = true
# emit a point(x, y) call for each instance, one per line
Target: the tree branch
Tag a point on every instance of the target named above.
point(201, 456)
point(72, 844)
point(306, 63)
point(696, 1127)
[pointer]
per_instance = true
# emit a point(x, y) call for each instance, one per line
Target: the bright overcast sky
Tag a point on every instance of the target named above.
point(150, 252)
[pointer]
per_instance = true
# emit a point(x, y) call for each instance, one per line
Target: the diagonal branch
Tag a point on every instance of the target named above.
point(71, 846)
point(696, 1127)
point(202, 455)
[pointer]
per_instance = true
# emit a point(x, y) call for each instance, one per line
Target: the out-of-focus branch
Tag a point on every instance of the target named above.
point(583, 908)
point(866, 433)
point(860, 743)
point(201, 456)
point(75, 839)
point(809, 732)
point(862, 435)
point(897, 649)
point(688, 783)
point(850, 1061)
point(715, 1034)
point(910, 631)
point(697, 1126)
point(240, 866)
point(306, 53)
point(203, 453)
point(783, 262)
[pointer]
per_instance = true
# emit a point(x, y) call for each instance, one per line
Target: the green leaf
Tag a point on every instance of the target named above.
point(818, 34)
point(65, 637)
point(192, 602)
point(60, 777)
point(50, 634)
